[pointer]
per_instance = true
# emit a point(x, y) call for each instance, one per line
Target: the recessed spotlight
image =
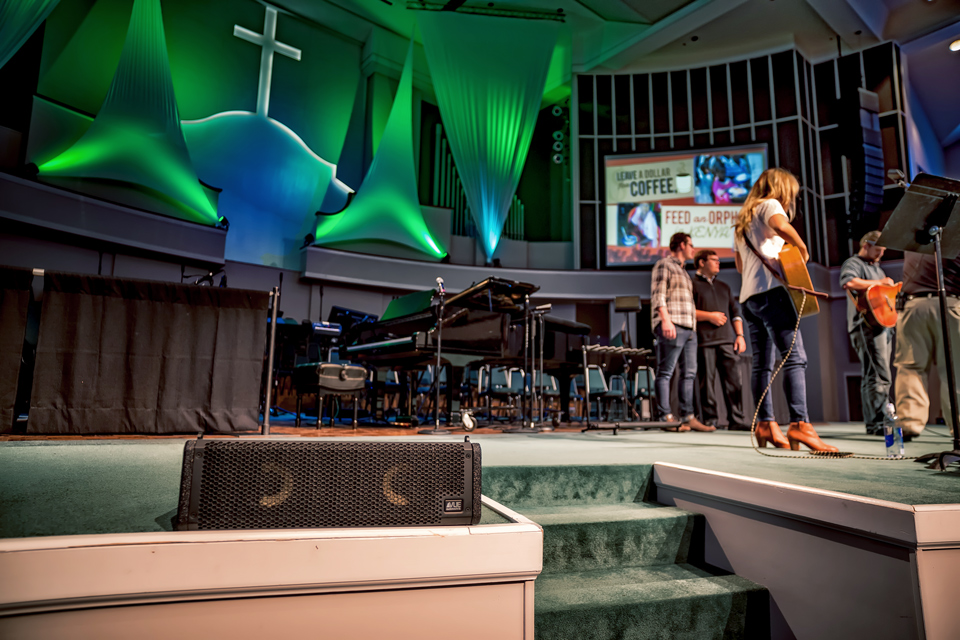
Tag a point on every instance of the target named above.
point(955, 45)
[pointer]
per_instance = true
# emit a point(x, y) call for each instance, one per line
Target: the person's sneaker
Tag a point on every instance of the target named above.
point(672, 418)
point(692, 423)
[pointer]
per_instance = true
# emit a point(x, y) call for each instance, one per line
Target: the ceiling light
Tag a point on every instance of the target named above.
point(955, 45)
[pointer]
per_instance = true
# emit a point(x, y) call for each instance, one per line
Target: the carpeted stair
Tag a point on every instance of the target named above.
point(617, 566)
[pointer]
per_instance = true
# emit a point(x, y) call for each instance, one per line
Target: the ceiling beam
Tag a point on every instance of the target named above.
point(874, 14)
point(845, 19)
point(674, 26)
point(939, 37)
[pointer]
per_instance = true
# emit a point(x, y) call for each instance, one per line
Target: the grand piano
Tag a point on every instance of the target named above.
point(485, 323)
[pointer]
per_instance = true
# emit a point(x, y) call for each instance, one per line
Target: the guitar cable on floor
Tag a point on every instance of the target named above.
point(805, 455)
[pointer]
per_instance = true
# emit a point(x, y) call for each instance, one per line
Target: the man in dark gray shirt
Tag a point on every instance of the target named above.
point(858, 274)
point(720, 342)
point(920, 338)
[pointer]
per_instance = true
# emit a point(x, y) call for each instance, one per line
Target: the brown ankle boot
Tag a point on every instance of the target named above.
point(803, 432)
point(769, 431)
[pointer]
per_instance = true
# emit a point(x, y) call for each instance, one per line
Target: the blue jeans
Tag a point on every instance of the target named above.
point(873, 348)
point(771, 321)
point(669, 352)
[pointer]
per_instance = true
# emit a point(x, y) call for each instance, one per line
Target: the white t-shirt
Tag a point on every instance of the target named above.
point(756, 278)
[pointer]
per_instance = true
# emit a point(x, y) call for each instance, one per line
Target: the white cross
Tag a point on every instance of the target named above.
point(270, 45)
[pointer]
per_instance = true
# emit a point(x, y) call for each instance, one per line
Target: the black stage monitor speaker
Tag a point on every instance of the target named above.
point(279, 484)
point(866, 155)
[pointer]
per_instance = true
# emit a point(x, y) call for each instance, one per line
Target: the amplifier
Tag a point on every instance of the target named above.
point(282, 484)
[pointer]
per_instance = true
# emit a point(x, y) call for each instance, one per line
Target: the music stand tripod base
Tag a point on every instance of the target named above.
point(632, 426)
point(436, 431)
point(602, 426)
point(939, 461)
point(521, 430)
point(526, 428)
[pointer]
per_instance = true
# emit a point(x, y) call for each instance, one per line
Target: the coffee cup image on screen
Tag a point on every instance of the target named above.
point(638, 224)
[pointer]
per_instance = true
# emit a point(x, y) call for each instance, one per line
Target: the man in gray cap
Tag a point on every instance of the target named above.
point(859, 273)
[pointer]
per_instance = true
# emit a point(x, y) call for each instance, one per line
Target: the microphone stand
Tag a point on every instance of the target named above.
point(275, 299)
point(526, 421)
point(543, 329)
point(437, 431)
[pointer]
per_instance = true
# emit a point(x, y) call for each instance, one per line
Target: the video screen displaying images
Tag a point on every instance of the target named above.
point(650, 197)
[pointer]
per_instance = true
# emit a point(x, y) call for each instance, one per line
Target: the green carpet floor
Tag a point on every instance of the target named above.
point(99, 486)
point(615, 566)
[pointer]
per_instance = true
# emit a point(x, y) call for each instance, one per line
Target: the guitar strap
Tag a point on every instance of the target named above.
point(853, 299)
point(765, 261)
point(856, 307)
point(772, 269)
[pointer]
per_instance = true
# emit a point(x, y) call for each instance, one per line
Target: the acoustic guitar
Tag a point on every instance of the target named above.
point(797, 280)
point(878, 305)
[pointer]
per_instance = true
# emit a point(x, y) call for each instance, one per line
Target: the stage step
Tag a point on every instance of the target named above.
point(617, 566)
point(667, 601)
point(581, 538)
point(523, 487)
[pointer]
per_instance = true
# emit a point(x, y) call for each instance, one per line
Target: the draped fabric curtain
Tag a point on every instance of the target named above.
point(18, 20)
point(136, 138)
point(387, 205)
point(15, 298)
point(488, 74)
point(135, 356)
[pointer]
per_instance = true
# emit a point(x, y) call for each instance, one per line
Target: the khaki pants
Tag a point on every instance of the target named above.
point(919, 344)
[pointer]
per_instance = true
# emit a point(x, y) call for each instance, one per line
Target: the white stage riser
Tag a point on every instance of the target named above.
point(476, 612)
point(465, 582)
point(836, 565)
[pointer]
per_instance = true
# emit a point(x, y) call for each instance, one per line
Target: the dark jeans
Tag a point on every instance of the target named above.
point(711, 361)
point(874, 351)
point(682, 349)
point(771, 321)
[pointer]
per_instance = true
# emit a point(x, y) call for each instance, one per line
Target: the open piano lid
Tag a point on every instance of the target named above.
point(493, 294)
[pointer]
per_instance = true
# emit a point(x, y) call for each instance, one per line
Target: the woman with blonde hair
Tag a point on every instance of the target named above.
point(763, 227)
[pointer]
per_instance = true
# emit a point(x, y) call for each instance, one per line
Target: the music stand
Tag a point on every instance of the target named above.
point(929, 208)
point(526, 401)
point(627, 305)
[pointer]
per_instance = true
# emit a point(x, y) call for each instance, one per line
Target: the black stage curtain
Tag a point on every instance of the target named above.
point(135, 356)
point(14, 300)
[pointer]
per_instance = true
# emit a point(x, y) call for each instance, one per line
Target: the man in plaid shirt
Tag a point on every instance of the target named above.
point(674, 326)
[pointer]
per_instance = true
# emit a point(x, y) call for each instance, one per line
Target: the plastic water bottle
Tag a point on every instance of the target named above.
point(892, 432)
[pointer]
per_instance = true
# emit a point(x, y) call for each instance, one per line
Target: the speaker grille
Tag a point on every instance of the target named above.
point(280, 484)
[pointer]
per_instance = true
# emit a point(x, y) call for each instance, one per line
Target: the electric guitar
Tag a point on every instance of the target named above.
point(878, 305)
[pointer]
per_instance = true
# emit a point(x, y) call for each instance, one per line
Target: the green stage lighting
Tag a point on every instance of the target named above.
point(387, 207)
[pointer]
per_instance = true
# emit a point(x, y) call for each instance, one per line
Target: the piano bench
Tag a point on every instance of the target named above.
point(329, 379)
